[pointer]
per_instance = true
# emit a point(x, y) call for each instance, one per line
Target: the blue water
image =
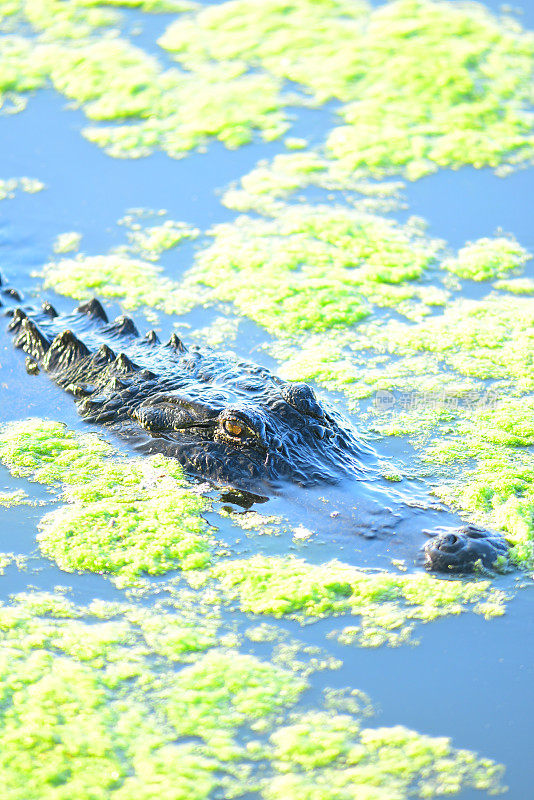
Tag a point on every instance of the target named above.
point(468, 679)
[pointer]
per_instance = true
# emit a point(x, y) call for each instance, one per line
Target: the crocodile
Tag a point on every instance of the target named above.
point(229, 421)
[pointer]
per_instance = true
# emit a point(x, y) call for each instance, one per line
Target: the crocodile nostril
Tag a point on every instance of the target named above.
point(448, 541)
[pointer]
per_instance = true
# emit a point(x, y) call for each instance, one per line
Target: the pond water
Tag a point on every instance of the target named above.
point(469, 678)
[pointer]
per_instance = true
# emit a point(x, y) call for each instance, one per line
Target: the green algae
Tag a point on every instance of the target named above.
point(473, 349)
point(12, 559)
point(149, 242)
point(53, 19)
point(349, 701)
point(312, 267)
point(387, 603)
point(374, 764)
point(494, 446)
point(17, 497)
point(222, 331)
point(55, 708)
point(301, 658)
point(135, 282)
point(49, 453)
point(182, 636)
point(112, 80)
point(459, 92)
point(295, 143)
point(447, 84)
point(125, 517)
point(486, 259)
point(82, 698)
point(234, 107)
point(86, 695)
point(67, 242)
point(223, 690)
point(151, 535)
point(304, 659)
point(486, 339)
point(283, 38)
point(57, 20)
point(104, 634)
point(9, 186)
point(516, 285)
point(267, 183)
point(436, 119)
point(128, 272)
point(150, 6)
point(257, 524)
point(20, 72)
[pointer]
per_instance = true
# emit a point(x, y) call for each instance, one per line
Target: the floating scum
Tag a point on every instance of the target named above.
point(9, 186)
point(153, 525)
point(420, 84)
point(92, 709)
point(315, 267)
point(423, 84)
point(459, 92)
point(77, 54)
point(103, 698)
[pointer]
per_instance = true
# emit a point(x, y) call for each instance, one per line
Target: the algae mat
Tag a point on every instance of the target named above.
point(238, 170)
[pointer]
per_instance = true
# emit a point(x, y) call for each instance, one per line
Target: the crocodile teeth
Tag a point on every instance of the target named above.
point(93, 308)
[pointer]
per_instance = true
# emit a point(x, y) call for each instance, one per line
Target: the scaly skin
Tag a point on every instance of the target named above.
point(229, 421)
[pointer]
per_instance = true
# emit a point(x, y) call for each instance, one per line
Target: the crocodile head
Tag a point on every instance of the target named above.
point(256, 432)
point(227, 420)
point(465, 549)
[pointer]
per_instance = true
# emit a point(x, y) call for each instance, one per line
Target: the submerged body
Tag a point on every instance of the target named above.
point(232, 422)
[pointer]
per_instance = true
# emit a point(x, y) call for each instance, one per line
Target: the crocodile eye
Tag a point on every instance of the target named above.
point(233, 427)
point(238, 429)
